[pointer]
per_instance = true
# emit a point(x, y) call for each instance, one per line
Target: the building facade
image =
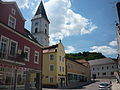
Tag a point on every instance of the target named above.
point(76, 72)
point(40, 26)
point(103, 68)
point(20, 53)
point(54, 68)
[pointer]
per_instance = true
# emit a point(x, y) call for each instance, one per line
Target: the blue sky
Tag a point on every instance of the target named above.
point(82, 25)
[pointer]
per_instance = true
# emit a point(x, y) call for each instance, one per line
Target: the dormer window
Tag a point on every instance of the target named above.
point(13, 11)
point(11, 22)
point(36, 30)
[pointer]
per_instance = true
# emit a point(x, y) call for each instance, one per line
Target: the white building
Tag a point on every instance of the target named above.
point(40, 26)
point(103, 68)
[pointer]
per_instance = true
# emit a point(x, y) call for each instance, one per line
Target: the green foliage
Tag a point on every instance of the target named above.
point(85, 55)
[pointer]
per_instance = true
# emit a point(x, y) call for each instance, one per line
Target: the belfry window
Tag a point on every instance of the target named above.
point(36, 30)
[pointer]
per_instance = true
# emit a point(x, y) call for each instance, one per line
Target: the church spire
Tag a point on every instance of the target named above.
point(41, 11)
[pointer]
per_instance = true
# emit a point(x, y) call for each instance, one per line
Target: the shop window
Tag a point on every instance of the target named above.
point(27, 53)
point(3, 46)
point(11, 22)
point(36, 57)
point(13, 48)
point(51, 57)
point(51, 67)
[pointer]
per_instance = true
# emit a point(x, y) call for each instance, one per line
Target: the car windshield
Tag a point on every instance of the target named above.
point(104, 84)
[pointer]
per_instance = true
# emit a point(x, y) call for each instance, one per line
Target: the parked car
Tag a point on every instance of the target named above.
point(105, 86)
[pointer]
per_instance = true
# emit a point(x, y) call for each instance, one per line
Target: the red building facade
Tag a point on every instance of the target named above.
point(20, 53)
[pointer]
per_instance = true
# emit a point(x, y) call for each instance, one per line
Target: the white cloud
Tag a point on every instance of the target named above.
point(70, 49)
point(113, 43)
point(21, 3)
point(64, 21)
point(106, 50)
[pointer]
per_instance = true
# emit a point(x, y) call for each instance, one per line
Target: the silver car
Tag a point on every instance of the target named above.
point(104, 86)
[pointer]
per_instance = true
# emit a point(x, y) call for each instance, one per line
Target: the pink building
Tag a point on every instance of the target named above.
point(20, 53)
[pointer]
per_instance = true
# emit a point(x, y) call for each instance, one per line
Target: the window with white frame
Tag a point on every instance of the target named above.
point(51, 79)
point(51, 57)
point(4, 46)
point(36, 57)
point(11, 22)
point(13, 11)
point(13, 48)
point(51, 67)
point(27, 53)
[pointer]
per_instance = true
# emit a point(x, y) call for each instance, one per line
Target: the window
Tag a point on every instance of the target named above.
point(112, 73)
point(60, 58)
point(62, 69)
point(51, 79)
point(107, 67)
point(36, 57)
point(112, 67)
point(45, 25)
point(3, 46)
point(51, 57)
point(12, 22)
point(102, 67)
point(13, 11)
point(45, 31)
point(98, 74)
point(27, 53)
point(93, 69)
point(104, 73)
point(13, 48)
point(51, 67)
point(97, 68)
point(36, 30)
point(36, 23)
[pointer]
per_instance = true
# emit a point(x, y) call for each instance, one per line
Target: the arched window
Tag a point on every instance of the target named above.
point(45, 31)
point(36, 30)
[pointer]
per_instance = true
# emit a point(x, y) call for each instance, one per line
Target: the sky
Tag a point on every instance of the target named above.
point(82, 25)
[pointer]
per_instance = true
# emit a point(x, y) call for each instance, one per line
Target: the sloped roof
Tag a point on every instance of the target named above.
point(51, 47)
point(7, 2)
point(30, 36)
point(101, 61)
point(41, 10)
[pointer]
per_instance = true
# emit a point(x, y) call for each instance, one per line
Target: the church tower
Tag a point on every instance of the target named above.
point(40, 26)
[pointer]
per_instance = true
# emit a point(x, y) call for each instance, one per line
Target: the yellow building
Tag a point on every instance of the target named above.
point(54, 68)
point(77, 72)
